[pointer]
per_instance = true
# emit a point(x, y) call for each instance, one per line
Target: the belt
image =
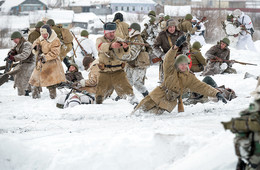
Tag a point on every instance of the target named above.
point(111, 66)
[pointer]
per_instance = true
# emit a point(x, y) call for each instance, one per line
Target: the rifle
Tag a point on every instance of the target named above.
point(133, 43)
point(38, 55)
point(8, 66)
point(234, 61)
point(102, 21)
point(82, 49)
point(202, 20)
point(180, 105)
point(73, 87)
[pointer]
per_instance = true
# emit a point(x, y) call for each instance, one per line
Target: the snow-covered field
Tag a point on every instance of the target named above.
point(34, 134)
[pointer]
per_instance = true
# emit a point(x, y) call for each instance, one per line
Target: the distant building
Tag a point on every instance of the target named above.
point(133, 6)
point(23, 6)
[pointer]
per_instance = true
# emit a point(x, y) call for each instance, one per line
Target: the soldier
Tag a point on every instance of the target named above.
point(232, 30)
point(73, 73)
point(247, 130)
point(90, 84)
point(186, 27)
point(164, 41)
point(137, 61)
point(177, 80)
point(198, 61)
point(160, 24)
point(245, 39)
point(48, 71)
point(88, 46)
point(218, 59)
point(164, 22)
point(195, 98)
point(150, 32)
point(121, 26)
point(36, 33)
point(199, 33)
point(66, 40)
point(22, 72)
point(112, 75)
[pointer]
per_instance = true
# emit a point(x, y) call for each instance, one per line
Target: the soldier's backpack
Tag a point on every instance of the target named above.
point(179, 26)
point(66, 35)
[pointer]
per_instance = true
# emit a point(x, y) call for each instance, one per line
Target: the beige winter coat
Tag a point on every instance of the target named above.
point(121, 29)
point(51, 72)
point(177, 82)
point(108, 57)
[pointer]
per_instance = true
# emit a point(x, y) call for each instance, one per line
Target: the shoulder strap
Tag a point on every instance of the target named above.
point(170, 41)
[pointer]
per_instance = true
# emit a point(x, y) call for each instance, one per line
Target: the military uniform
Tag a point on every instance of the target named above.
point(74, 76)
point(215, 67)
point(121, 29)
point(22, 72)
point(164, 41)
point(164, 97)
point(112, 75)
point(198, 61)
point(137, 61)
point(49, 73)
point(247, 140)
point(90, 84)
point(36, 33)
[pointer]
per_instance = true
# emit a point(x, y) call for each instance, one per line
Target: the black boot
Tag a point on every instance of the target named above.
point(66, 62)
point(145, 93)
point(117, 98)
point(27, 92)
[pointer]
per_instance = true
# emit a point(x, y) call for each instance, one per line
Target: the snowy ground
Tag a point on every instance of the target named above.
point(34, 134)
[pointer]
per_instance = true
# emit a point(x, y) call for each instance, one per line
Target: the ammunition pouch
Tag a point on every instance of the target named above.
point(170, 95)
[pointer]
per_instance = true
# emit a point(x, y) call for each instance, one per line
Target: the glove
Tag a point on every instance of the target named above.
point(180, 40)
point(11, 57)
point(198, 27)
point(221, 97)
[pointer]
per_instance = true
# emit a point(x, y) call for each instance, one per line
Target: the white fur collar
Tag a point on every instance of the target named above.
point(51, 38)
point(133, 33)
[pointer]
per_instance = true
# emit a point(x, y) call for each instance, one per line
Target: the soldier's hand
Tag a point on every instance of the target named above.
point(125, 45)
point(180, 40)
point(221, 97)
point(115, 45)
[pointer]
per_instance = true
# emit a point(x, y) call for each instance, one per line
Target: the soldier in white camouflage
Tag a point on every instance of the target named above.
point(137, 61)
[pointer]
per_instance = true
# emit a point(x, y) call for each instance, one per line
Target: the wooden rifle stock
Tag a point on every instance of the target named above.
point(84, 51)
point(180, 105)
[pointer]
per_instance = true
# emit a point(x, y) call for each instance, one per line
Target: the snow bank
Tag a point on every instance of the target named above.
point(34, 134)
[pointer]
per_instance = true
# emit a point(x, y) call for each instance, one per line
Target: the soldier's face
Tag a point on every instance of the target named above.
point(223, 45)
point(171, 29)
point(183, 67)
point(110, 35)
point(45, 36)
point(16, 40)
point(72, 68)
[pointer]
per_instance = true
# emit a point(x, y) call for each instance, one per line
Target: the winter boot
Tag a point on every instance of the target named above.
point(27, 92)
point(52, 91)
point(99, 100)
point(145, 93)
point(117, 98)
point(36, 92)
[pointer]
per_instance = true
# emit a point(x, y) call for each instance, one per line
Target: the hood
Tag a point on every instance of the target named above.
point(51, 38)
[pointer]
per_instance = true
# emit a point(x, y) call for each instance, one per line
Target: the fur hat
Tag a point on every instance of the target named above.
point(170, 22)
point(110, 26)
point(46, 29)
point(118, 16)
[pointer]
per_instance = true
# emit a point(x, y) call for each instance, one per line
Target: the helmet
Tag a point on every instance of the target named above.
point(196, 45)
point(167, 17)
point(50, 22)
point(39, 24)
point(188, 17)
point(226, 41)
point(135, 26)
point(84, 33)
point(152, 13)
point(15, 35)
point(161, 15)
point(152, 20)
